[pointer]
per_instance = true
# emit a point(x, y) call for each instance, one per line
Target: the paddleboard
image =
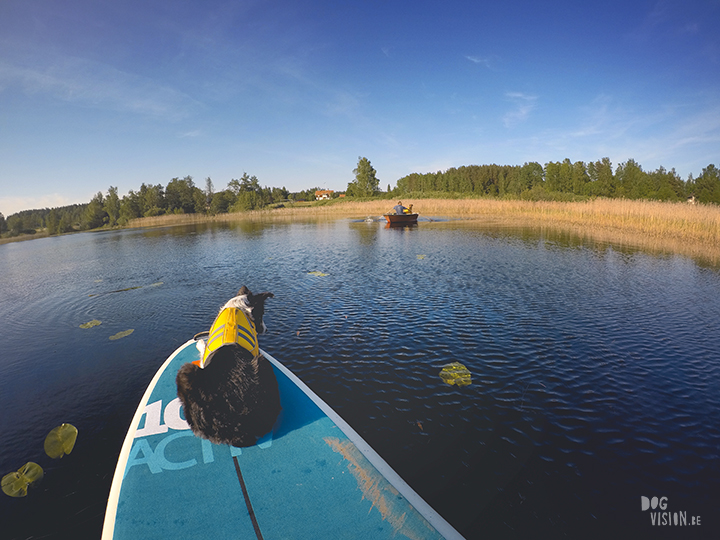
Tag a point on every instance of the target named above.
point(313, 477)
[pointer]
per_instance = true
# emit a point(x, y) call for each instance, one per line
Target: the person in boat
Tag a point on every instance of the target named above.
point(409, 209)
point(399, 208)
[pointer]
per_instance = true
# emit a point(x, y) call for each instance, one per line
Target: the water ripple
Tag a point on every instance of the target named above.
point(595, 372)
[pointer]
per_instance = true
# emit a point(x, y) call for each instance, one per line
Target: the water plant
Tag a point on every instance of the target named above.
point(15, 484)
point(60, 440)
point(122, 334)
point(455, 373)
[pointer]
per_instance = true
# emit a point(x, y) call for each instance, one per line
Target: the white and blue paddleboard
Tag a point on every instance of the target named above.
point(311, 478)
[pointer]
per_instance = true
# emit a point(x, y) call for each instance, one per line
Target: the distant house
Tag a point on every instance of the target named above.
point(323, 194)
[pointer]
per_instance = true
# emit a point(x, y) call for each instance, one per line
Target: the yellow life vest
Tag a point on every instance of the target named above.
point(232, 325)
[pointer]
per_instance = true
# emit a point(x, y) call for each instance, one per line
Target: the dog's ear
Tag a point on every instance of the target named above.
point(260, 298)
point(244, 290)
point(257, 309)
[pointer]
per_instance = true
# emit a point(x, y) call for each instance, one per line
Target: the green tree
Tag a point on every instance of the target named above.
point(279, 194)
point(524, 178)
point(3, 224)
point(152, 200)
point(200, 201)
point(180, 196)
point(246, 200)
point(531, 175)
point(668, 185)
point(209, 190)
point(221, 202)
point(565, 178)
point(552, 176)
point(580, 178)
point(66, 223)
point(631, 181)
point(94, 215)
point(246, 183)
point(602, 180)
point(130, 207)
point(365, 183)
point(112, 206)
point(707, 185)
point(52, 222)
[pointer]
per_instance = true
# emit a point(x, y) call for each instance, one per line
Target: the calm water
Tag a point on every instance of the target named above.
point(595, 370)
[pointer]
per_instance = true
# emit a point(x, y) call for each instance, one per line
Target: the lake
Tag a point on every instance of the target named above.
point(595, 368)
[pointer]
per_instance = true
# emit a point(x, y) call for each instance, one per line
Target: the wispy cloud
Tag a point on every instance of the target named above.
point(487, 61)
point(190, 134)
point(98, 85)
point(523, 104)
point(684, 136)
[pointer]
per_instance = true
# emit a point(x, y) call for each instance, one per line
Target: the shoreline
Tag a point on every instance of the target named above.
point(681, 228)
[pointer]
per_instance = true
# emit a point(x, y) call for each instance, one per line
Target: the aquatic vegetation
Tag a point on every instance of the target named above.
point(122, 334)
point(317, 273)
point(15, 484)
point(90, 324)
point(60, 440)
point(456, 373)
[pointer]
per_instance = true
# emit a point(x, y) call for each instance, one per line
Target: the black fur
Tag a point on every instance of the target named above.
point(235, 399)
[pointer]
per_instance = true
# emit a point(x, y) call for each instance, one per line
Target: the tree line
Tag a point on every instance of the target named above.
point(179, 196)
point(567, 180)
point(555, 181)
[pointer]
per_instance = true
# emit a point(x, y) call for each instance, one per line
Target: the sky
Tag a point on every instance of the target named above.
point(97, 93)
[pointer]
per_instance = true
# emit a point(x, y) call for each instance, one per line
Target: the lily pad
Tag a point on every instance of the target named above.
point(116, 291)
point(15, 484)
point(90, 324)
point(60, 440)
point(456, 373)
point(318, 273)
point(122, 334)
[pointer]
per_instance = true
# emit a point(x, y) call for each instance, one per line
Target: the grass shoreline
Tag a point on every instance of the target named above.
point(680, 220)
point(676, 227)
point(692, 230)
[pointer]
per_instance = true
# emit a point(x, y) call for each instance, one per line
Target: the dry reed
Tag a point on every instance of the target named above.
point(692, 222)
point(695, 227)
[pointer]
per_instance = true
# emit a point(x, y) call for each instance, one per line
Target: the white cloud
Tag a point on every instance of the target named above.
point(190, 134)
point(487, 61)
point(523, 106)
point(97, 85)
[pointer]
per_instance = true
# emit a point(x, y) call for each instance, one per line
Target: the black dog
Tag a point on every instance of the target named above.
point(231, 395)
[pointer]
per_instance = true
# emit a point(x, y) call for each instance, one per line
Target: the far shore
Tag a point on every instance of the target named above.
point(692, 230)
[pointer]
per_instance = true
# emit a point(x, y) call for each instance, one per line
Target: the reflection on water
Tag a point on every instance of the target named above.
point(594, 368)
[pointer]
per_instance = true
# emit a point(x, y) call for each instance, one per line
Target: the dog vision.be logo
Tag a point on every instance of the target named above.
point(660, 515)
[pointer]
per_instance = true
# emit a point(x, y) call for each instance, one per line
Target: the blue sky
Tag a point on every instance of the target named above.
point(95, 93)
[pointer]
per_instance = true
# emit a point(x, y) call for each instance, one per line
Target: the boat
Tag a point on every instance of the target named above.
point(401, 219)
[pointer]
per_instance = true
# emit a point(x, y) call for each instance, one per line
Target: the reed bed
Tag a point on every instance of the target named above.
point(692, 222)
point(677, 227)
